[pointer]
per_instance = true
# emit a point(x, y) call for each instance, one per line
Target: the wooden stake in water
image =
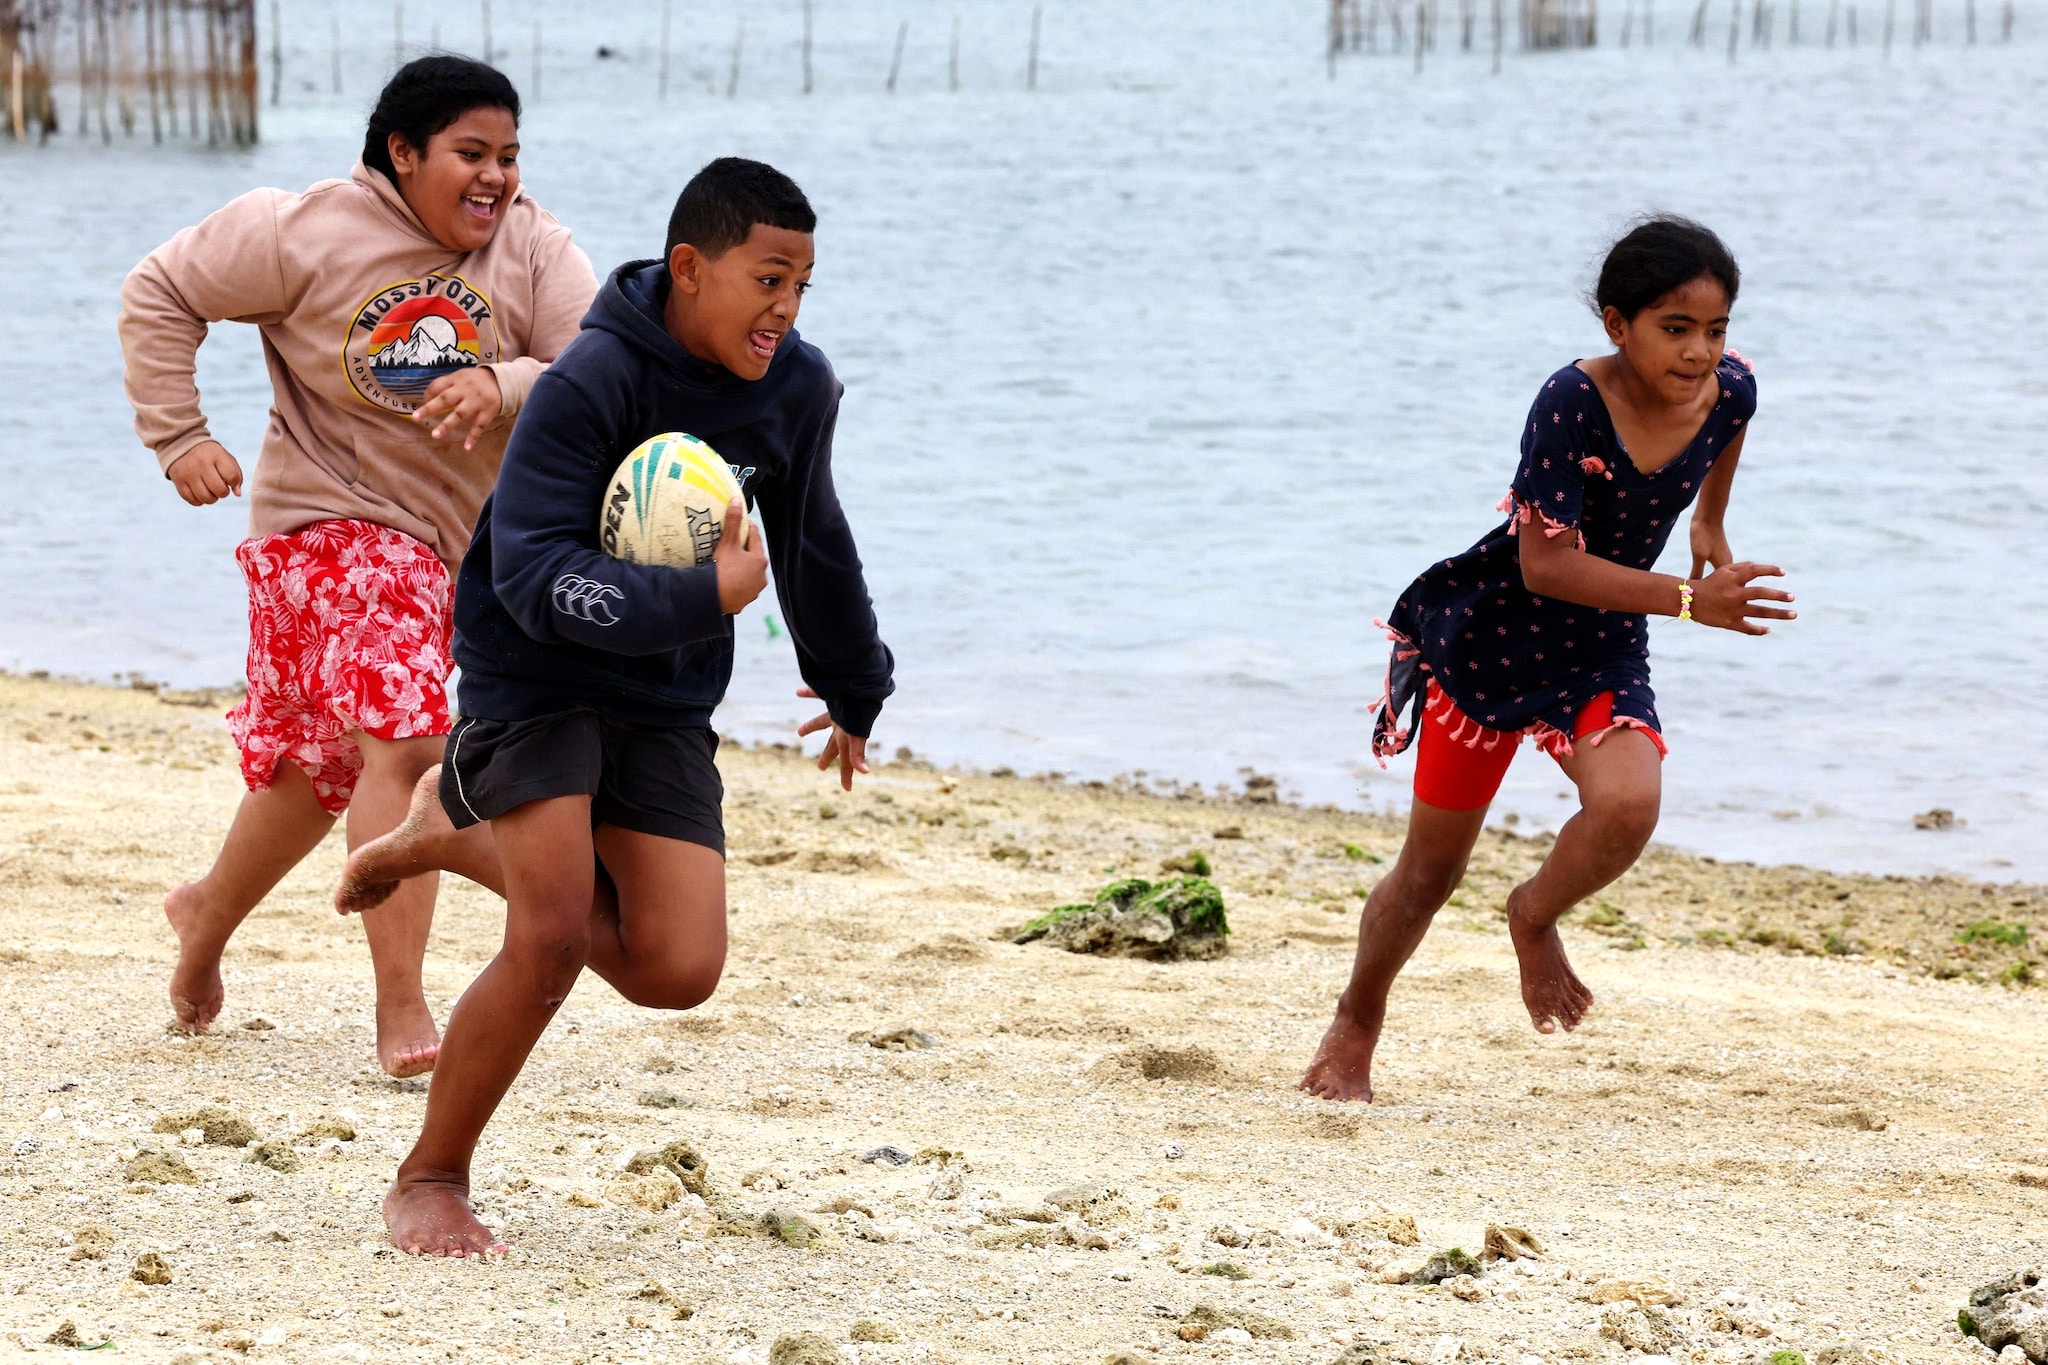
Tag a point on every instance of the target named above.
point(896, 61)
point(334, 47)
point(661, 79)
point(1890, 9)
point(1499, 33)
point(1852, 25)
point(536, 59)
point(953, 59)
point(1734, 28)
point(1970, 22)
point(739, 45)
point(1698, 37)
point(1468, 15)
point(156, 125)
point(17, 109)
point(1334, 38)
point(276, 55)
point(487, 30)
point(1421, 18)
point(1833, 6)
point(397, 34)
point(1031, 69)
point(807, 45)
point(2005, 24)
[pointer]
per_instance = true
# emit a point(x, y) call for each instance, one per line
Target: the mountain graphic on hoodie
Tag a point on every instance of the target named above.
point(432, 344)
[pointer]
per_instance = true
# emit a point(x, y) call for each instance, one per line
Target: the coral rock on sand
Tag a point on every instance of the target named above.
point(899, 1038)
point(681, 1159)
point(2011, 1312)
point(219, 1127)
point(652, 1190)
point(1645, 1290)
point(1447, 1265)
point(1510, 1244)
point(325, 1129)
point(1213, 1319)
point(278, 1156)
point(1161, 921)
point(1649, 1330)
point(151, 1268)
point(91, 1242)
point(654, 1291)
point(804, 1348)
point(874, 1329)
point(160, 1168)
point(1842, 1353)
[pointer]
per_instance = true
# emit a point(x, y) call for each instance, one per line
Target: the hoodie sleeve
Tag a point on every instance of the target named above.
point(818, 579)
point(545, 564)
point(225, 268)
point(563, 286)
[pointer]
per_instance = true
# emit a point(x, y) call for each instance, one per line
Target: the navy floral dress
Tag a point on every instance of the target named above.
point(1510, 660)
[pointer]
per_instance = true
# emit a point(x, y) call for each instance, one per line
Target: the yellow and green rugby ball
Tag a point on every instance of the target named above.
point(666, 504)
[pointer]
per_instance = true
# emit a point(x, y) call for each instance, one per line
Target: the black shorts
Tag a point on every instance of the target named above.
point(648, 779)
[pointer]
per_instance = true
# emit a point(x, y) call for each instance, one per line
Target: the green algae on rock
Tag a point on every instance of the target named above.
point(1161, 921)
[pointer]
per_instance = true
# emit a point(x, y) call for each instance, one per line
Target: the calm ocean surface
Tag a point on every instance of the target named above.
point(1163, 381)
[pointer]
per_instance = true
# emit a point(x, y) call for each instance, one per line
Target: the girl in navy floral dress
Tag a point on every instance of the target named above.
point(1541, 629)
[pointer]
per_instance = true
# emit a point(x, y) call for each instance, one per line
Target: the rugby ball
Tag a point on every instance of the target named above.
point(666, 504)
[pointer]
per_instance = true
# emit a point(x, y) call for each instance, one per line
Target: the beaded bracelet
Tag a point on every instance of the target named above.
point(1685, 600)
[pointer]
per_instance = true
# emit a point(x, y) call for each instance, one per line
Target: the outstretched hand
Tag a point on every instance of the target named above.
point(469, 397)
point(849, 751)
point(1728, 598)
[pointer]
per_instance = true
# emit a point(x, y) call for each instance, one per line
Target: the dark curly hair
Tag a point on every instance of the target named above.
point(426, 95)
point(1657, 255)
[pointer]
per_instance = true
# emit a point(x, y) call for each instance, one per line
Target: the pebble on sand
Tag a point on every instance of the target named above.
point(151, 1268)
point(1447, 1265)
point(874, 1329)
point(325, 1129)
point(896, 1038)
point(653, 1190)
point(1645, 1290)
point(886, 1155)
point(1510, 1244)
point(221, 1128)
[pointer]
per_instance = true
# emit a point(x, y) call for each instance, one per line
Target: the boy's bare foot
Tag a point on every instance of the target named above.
point(196, 992)
point(1552, 991)
point(375, 870)
point(407, 1041)
point(1342, 1066)
point(433, 1218)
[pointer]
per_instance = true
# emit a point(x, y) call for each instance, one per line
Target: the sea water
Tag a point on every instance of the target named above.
point(1165, 377)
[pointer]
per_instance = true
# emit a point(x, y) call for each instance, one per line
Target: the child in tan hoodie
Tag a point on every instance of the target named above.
point(405, 312)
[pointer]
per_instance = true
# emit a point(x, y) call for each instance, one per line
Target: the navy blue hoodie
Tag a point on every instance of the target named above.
point(544, 622)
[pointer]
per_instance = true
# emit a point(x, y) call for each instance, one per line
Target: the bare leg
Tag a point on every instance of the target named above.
point(425, 841)
point(1620, 787)
point(658, 924)
point(550, 871)
point(1396, 917)
point(273, 831)
point(398, 929)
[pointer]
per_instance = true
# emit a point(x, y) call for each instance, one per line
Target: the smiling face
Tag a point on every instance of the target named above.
point(1674, 345)
point(734, 309)
point(460, 183)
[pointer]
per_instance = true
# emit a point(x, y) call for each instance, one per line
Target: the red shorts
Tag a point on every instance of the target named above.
point(1460, 764)
point(349, 624)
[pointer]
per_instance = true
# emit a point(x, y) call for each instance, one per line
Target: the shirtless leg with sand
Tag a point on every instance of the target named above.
point(1618, 780)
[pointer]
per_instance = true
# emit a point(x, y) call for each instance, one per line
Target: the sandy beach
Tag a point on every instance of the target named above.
point(1806, 1114)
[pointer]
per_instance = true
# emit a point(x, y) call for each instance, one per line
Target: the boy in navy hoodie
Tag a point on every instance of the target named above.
point(579, 783)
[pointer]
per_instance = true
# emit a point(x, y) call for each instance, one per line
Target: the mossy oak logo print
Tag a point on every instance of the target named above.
point(406, 336)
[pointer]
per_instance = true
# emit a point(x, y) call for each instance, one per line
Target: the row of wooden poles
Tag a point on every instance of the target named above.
point(188, 66)
point(1354, 25)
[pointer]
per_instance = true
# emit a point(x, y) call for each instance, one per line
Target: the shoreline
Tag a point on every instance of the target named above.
point(1268, 788)
point(1816, 1147)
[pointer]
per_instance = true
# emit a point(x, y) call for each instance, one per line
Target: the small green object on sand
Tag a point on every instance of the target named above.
point(1161, 921)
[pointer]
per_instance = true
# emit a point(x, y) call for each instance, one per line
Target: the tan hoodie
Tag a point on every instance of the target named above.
point(359, 309)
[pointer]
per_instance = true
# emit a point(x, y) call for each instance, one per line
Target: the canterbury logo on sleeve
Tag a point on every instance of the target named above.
point(587, 599)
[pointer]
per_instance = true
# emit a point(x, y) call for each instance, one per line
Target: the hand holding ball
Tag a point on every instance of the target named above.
point(674, 502)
